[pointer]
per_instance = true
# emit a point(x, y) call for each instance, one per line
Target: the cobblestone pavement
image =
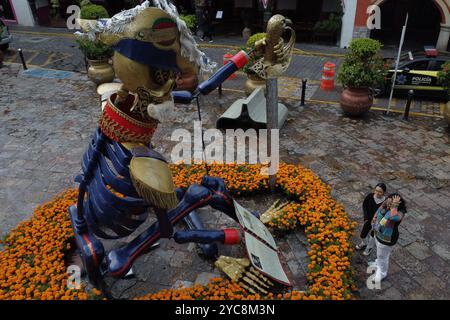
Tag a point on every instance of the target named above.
point(56, 49)
point(45, 125)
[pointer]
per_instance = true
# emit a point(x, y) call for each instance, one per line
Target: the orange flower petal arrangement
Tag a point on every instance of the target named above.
point(32, 263)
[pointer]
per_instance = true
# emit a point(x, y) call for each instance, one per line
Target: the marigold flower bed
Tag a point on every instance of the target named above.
point(32, 262)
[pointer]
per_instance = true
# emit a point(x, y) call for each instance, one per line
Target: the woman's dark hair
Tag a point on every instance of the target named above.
point(402, 205)
point(382, 186)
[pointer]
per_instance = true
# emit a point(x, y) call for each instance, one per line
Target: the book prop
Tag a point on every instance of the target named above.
point(273, 57)
point(263, 266)
point(261, 247)
point(123, 178)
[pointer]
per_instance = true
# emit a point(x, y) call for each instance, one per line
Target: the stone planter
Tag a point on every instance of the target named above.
point(356, 101)
point(253, 82)
point(100, 71)
point(447, 113)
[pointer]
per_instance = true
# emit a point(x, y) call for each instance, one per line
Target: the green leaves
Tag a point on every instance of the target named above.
point(364, 48)
point(254, 38)
point(94, 50)
point(444, 75)
point(363, 66)
point(332, 24)
point(93, 12)
point(190, 20)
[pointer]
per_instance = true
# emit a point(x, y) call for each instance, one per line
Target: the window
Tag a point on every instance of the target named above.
point(417, 65)
point(436, 65)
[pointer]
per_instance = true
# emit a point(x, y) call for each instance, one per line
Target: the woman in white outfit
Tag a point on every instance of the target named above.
point(386, 221)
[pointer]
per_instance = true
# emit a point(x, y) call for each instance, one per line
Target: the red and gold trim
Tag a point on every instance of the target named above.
point(121, 126)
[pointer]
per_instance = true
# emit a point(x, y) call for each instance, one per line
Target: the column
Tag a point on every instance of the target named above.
point(444, 35)
point(348, 22)
point(23, 12)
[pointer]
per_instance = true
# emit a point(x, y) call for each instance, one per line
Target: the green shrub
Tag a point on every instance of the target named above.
point(190, 20)
point(332, 24)
point(444, 75)
point(364, 48)
point(83, 3)
point(93, 12)
point(363, 66)
point(254, 38)
point(94, 50)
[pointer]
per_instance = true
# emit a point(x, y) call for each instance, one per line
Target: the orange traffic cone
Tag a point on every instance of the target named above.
point(328, 76)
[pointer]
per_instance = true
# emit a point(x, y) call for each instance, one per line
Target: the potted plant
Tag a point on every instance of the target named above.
point(98, 54)
point(253, 80)
point(444, 79)
point(190, 20)
point(329, 28)
point(362, 70)
point(90, 13)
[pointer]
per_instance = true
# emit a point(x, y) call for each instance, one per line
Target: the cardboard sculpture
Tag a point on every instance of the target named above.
point(123, 179)
point(275, 57)
point(250, 113)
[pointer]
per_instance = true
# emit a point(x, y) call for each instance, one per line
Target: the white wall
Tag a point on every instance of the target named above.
point(23, 12)
point(348, 22)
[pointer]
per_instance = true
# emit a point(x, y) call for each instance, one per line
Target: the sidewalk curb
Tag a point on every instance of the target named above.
point(295, 51)
point(336, 103)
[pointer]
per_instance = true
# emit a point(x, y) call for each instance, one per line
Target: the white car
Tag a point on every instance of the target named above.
point(5, 36)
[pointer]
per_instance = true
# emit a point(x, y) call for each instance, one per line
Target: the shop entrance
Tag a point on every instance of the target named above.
point(7, 12)
point(423, 23)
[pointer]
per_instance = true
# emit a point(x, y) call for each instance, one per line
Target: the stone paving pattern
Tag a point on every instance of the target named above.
point(45, 125)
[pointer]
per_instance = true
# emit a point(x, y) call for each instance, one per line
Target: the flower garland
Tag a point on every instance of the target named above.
point(32, 263)
point(327, 226)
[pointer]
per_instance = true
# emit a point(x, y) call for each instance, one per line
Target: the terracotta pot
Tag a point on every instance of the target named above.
point(187, 82)
point(447, 113)
point(100, 71)
point(356, 101)
point(253, 82)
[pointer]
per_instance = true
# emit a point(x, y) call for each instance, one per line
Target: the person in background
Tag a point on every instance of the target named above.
point(207, 21)
point(386, 221)
point(370, 205)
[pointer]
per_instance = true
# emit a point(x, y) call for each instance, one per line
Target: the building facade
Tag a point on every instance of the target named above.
point(428, 21)
point(333, 21)
point(16, 12)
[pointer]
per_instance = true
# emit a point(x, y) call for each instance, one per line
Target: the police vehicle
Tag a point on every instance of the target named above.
point(417, 70)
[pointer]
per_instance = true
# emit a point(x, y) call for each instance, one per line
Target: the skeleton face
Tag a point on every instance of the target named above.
point(146, 57)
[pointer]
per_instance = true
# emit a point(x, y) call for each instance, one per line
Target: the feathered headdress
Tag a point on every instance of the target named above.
point(117, 24)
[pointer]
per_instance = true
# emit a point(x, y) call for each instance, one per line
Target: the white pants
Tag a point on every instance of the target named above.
point(382, 261)
point(370, 242)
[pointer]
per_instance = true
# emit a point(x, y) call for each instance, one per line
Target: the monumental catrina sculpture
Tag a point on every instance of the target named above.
point(123, 178)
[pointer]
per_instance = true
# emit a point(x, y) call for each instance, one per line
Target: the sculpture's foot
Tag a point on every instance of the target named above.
point(90, 248)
